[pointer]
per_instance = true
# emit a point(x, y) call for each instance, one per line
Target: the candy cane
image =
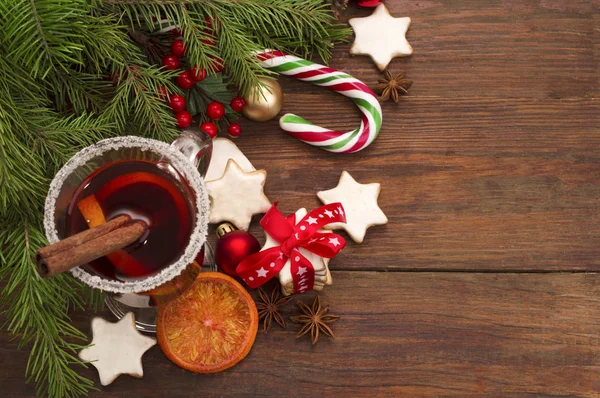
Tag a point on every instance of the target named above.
point(363, 97)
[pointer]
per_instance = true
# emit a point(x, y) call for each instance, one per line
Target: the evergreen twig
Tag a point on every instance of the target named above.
point(72, 74)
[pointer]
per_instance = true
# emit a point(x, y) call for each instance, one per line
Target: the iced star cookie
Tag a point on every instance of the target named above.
point(360, 204)
point(116, 349)
point(380, 36)
point(237, 196)
point(223, 150)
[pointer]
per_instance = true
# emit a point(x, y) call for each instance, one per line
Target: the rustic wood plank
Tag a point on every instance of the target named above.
point(405, 334)
point(492, 48)
point(467, 183)
point(490, 164)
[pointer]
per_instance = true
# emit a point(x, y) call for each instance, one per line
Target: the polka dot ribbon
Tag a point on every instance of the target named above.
point(258, 268)
point(340, 82)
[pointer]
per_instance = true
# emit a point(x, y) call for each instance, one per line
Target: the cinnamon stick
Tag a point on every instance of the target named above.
point(87, 246)
point(82, 237)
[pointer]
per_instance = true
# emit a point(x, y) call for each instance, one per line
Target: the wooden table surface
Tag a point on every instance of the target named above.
point(486, 280)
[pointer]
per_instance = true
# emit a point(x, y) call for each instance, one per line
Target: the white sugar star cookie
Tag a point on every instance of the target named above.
point(117, 349)
point(360, 204)
point(380, 36)
point(237, 196)
point(223, 150)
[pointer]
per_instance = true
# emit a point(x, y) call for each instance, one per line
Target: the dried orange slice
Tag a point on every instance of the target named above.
point(210, 327)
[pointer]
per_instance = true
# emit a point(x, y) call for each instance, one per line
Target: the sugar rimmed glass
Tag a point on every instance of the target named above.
point(188, 158)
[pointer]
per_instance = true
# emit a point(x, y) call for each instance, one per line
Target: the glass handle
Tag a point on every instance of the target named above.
point(197, 147)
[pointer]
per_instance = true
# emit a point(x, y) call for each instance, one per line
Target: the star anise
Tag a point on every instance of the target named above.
point(314, 320)
point(268, 307)
point(393, 87)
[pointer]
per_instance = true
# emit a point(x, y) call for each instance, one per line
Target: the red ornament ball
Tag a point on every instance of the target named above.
point(238, 104)
point(185, 80)
point(184, 119)
point(232, 248)
point(234, 130)
point(367, 3)
point(215, 110)
point(177, 102)
point(178, 48)
point(209, 128)
point(198, 74)
point(170, 62)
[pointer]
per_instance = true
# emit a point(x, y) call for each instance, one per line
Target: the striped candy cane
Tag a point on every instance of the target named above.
point(363, 97)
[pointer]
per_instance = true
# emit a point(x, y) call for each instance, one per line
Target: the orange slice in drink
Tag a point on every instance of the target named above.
point(141, 177)
point(210, 327)
point(92, 212)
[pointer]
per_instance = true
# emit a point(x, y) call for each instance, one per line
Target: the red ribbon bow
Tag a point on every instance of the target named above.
point(258, 268)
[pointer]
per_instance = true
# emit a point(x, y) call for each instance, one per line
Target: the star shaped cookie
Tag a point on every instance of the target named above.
point(360, 204)
point(380, 36)
point(116, 349)
point(237, 196)
point(223, 150)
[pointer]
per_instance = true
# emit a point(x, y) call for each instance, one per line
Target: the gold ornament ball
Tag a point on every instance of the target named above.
point(264, 103)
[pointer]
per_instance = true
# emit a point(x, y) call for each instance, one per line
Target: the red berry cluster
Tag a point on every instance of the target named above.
point(186, 80)
point(215, 111)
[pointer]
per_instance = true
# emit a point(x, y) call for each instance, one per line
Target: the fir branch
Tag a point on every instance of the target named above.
point(137, 99)
point(40, 34)
point(37, 312)
point(59, 60)
point(240, 29)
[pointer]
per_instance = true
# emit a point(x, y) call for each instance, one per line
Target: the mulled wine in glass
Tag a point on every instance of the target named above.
point(149, 181)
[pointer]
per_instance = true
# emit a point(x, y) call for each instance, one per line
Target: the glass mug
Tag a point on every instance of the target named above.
point(184, 162)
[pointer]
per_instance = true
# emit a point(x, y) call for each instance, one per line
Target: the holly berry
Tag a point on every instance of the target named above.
point(170, 62)
point(184, 119)
point(216, 64)
point(185, 80)
point(234, 130)
point(178, 48)
point(198, 74)
point(208, 22)
point(237, 104)
point(209, 128)
point(215, 110)
point(176, 33)
point(177, 102)
point(162, 93)
point(208, 42)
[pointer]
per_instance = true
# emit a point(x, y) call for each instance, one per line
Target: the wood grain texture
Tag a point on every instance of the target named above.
point(490, 178)
point(491, 162)
point(404, 334)
point(475, 184)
